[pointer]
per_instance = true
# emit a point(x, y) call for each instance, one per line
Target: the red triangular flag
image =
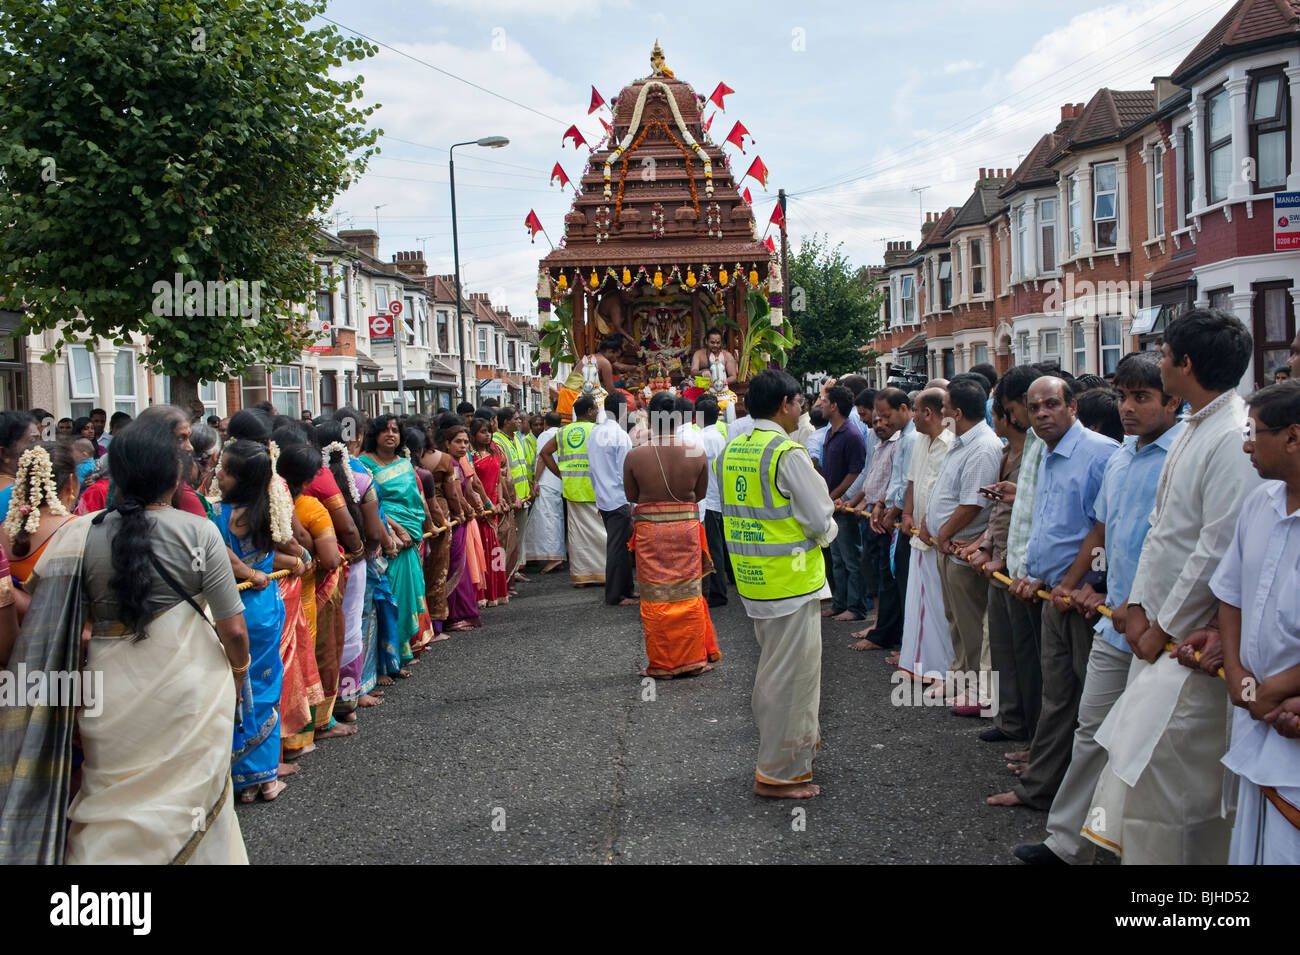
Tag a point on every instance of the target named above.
point(534, 225)
point(771, 243)
point(709, 122)
point(572, 131)
point(737, 136)
point(748, 198)
point(758, 171)
point(597, 101)
point(557, 171)
point(608, 128)
point(717, 95)
point(778, 217)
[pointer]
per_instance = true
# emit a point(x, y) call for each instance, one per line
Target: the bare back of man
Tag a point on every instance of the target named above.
point(670, 471)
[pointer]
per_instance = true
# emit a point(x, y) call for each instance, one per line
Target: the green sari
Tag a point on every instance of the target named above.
point(399, 490)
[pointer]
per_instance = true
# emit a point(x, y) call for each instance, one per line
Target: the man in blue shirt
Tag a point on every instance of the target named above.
point(1123, 508)
point(1069, 478)
point(843, 459)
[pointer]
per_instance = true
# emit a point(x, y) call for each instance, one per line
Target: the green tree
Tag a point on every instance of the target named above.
point(146, 139)
point(833, 310)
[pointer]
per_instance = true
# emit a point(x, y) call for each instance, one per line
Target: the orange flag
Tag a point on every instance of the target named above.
point(564, 180)
point(758, 171)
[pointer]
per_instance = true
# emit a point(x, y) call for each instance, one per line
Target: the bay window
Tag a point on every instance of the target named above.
point(1189, 174)
point(976, 267)
point(1076, 213)
point(83, 381)
point(1078, 347)
point(482, 346)
point(907, 293)
point(1022, 243)
point(1046, 235)
point(945, 282)
point(1158, 190)
point(1050, 348)
point(980, 354)
point(1105, 206)
point(1218, 145)
point(124, 381)
point(1022, 341)
point(286, 389)
point(1112, 346)
point(956, 271)
point(1269, 136)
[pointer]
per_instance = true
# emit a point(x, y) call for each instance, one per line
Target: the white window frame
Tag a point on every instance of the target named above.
point(345, 289)
point(1097, 194)
point(1079, 348)
point(907, 299)
point(1074, 240)
point(1022, 242)
point(1157, 191)
point(978, 269)
point(1022, 346)
point(74, 392)
point(129, 403)
point(979, 354)
point(292, 371)
point(1224, 145)
point(481, 336)
point(1044, 353)
point(1116, 349)
point(1044, 243)
point(381, 299)
point(957, 284)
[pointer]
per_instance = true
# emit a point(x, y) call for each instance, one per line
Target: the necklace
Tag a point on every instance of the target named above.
point(655, 446)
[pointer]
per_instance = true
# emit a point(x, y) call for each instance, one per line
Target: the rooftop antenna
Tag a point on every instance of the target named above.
point(920, 207)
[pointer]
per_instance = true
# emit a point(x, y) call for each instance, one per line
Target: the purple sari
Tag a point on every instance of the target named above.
point(462, 595)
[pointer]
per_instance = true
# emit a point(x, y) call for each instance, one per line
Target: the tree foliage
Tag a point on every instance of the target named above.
point(833, 311)
point(149, 138)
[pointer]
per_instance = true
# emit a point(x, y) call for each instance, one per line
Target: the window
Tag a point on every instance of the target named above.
point(1076, 213)
point(381, 299)
point(83, 381)
point(1274, 329)
point(1022, 242)
point(908, 294)
point(1189, 174)
point(949, 363)
point(325, 307)
point(254, 386)
point(124, 381)
point(482, 346)
point(956, 270)
point(1050, 348)
point(442, 321)
point(286, 389)
point(1218, 145)
point(499, 358)
point(208, 395)
point(945, 282)
point(1112, 347)
point(409, 320)
point(347, 297)
point(1220, 298)
point(1157, 191)
point(1269, 139)
point(1022, 343)
point(511, 356)
point(980, 354)
point(1105, 212)
point(976, 267)
point(1046, 236)
point(1080, 350)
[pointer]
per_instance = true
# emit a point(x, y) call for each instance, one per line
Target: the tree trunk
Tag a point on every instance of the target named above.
point(185, 394)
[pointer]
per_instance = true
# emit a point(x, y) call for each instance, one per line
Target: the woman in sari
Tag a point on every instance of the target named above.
point(408, 519)
point(462, 592)
point(157, 735)
point(438, 482)
point(322, 586)
point(40, 502)
point(18, 432)
point(488, 462)
point(363, 505)
point(244, 519)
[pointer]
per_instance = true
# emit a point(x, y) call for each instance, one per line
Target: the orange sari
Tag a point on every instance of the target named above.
point(326, 607)
point(301, 689)
point(672, 557)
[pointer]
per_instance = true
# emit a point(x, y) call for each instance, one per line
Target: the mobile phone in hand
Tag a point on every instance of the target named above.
point(990, 493)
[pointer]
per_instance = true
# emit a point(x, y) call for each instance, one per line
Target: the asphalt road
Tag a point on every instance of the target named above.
point(531, 740)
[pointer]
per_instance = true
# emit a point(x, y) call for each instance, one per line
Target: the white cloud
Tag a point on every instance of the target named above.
point(961, 66)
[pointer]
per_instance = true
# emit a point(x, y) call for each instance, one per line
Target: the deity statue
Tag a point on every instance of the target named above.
point(657, 65)
point(720, 365)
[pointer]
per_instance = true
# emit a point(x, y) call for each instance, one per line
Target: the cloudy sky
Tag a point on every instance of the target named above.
point(852, 105)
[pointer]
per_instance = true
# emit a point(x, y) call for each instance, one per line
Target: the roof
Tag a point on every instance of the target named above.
point(1250, 24)
point(934, 237)
point(1034, 170)
point(914, 343)
point(983, 205)
point(669, 218)
point(1108, 116)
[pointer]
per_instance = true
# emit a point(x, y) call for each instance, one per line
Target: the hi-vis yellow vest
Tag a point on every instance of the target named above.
point(571, 459)
point(771, 555)
point(517, 458)
point(721, 425)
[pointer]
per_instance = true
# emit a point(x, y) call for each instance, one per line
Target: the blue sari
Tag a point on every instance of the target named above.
point(379, 637)
point(255, 757)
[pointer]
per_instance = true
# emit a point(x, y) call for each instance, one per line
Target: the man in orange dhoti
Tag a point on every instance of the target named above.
point(664, 480)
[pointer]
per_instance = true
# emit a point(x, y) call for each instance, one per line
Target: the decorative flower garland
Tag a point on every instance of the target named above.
point(681, 125)
point(603, 220)
point(690, 170)
point(724, 280)
point(338, 447)
point(281, 501)
point(33, 487)
point(658, 224)
point(713, 219)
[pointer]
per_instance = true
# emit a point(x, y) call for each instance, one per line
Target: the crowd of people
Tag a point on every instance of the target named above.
point(298, 566)
point(1105, 567)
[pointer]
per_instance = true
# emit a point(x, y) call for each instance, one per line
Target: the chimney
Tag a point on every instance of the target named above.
point(410, 263)
point(363, 240)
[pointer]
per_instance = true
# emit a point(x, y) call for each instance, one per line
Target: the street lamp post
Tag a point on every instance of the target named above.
point(491, 142)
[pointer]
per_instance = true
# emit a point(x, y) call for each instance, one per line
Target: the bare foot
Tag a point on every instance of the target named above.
point(522, 579)
point(337, 730)
point(272, 789)
point(846, 616)
point(1004, 799)
point(551, 566)
point(862, 634)
point(378, 693)
point(287, 769)
point(404, 674)
point(792, 791)
point(441, 637)
point(248, 795)
point(892, 659)
point(628, 602)
point(637, 595)
point(385, 681)
point(1019, 756)
point(655, 676)
point(1017, 769)
point(864, 644)
point(828, 613)
point(295, 754)
point(369, 699)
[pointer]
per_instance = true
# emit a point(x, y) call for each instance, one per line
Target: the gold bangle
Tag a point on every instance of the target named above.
point(240, 671)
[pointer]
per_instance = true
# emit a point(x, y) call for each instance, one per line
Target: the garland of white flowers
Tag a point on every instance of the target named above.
point(33, 487)
point(328, 451)
point(214, 489)
point(681, 126)
point(281, 501)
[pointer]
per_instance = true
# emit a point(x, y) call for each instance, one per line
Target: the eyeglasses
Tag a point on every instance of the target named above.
point(1251, 430)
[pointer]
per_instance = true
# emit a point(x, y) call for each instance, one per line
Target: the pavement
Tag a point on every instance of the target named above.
point(533, 740)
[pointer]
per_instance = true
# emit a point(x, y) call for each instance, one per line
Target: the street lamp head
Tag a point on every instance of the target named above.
point(493, 142)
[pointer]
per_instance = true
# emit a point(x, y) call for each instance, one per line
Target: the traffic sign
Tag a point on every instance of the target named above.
point(1286, 221)
point(395, 307)
point(381, 330)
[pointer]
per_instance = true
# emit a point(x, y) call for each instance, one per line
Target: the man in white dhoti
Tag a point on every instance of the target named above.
point(565, 456)
point(927, 647)
point(1259, 626)
point(777, 516)
point(1158, 799)
point(546, 527)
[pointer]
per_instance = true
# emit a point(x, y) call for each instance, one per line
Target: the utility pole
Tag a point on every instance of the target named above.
point(785, 257)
